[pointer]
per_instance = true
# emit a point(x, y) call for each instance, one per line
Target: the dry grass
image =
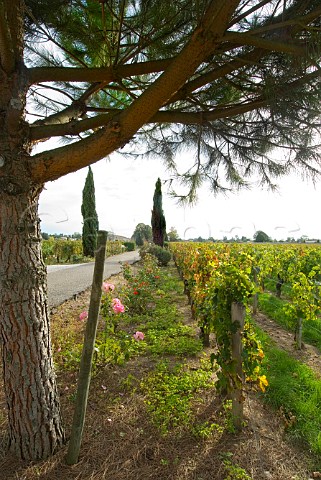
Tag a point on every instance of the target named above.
point(121, 443)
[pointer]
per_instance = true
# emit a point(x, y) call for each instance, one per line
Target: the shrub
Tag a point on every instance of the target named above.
point(114, 247)
point(140, 287)
point(130, 246)
point(48, 248)
point(76, 258)
point(163, 256)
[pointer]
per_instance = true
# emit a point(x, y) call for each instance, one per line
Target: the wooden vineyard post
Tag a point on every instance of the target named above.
point(238, 315)
point(298, 335)
point(87, 352)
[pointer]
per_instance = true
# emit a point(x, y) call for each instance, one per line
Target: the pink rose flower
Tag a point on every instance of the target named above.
point(139, 336)
point(108, 287)
point(118, 307)
point(83, 316)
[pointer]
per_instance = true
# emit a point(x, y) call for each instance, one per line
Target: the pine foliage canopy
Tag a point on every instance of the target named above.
point(249, 110)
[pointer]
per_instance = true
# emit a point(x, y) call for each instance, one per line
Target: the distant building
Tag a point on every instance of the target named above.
point(112, 236)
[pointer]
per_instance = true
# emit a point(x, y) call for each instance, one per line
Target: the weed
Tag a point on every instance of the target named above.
point(228, 418)
point(235, 472)
point(175, 340)
point(207, 429)
point(129, 383)
point(70, 356)
point(117, 349)
point(169, 393)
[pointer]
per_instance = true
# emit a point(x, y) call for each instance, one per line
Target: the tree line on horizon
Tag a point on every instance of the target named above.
point(156, 232)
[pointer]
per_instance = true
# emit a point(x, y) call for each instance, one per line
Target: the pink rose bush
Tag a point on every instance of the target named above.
point(83, 316)
point(139, 336)
point(108, 287)
point(141, 286)
point(115, 344)
point(110, 308)
point(117, 306)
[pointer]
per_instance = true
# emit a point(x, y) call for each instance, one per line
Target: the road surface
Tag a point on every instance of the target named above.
point(64, 281)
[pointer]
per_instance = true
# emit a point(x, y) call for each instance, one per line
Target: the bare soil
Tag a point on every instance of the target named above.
point(121, 443)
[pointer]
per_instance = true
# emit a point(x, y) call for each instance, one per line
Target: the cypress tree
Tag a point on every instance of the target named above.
point(90, 217)
point(158, 218)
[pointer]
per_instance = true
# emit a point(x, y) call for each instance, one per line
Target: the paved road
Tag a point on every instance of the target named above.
point(64, 281)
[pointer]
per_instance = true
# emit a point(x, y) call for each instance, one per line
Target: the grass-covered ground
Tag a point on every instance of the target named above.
point(153, 410)
point(295, 391)
point(274, 308)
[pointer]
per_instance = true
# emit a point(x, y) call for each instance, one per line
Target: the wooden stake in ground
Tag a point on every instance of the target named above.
point(238, 315)
point(87, 352)
point(298, 333)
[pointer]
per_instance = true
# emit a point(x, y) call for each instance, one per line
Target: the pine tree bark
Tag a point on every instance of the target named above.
point(34, 418)
point(35, 425)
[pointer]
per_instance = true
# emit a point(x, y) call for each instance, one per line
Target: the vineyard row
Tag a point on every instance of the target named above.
point(220, 277)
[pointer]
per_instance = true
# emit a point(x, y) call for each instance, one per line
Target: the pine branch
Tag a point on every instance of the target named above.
point(204, 41)
point(61, 91)
point(271, 45)
point(219, 72)
point(52, 39)
point(71, 128)
point(285, 20)
point(248, 12)
point(119, 31)
point(71, 113)
point(188, 88)
point(103, 74)
point(251, 58)
point(169, 116)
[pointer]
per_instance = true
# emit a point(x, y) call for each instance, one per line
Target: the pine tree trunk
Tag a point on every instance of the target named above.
point(35, 425)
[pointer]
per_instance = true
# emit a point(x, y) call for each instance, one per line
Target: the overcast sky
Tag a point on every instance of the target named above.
point(124, 197)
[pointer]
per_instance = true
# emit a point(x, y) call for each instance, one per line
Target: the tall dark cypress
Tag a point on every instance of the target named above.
point(158, 218)
point(90, 217)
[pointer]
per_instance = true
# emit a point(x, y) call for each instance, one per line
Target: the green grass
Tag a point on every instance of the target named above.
point(270, 285)
point(294, 388)
point(273, 307)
